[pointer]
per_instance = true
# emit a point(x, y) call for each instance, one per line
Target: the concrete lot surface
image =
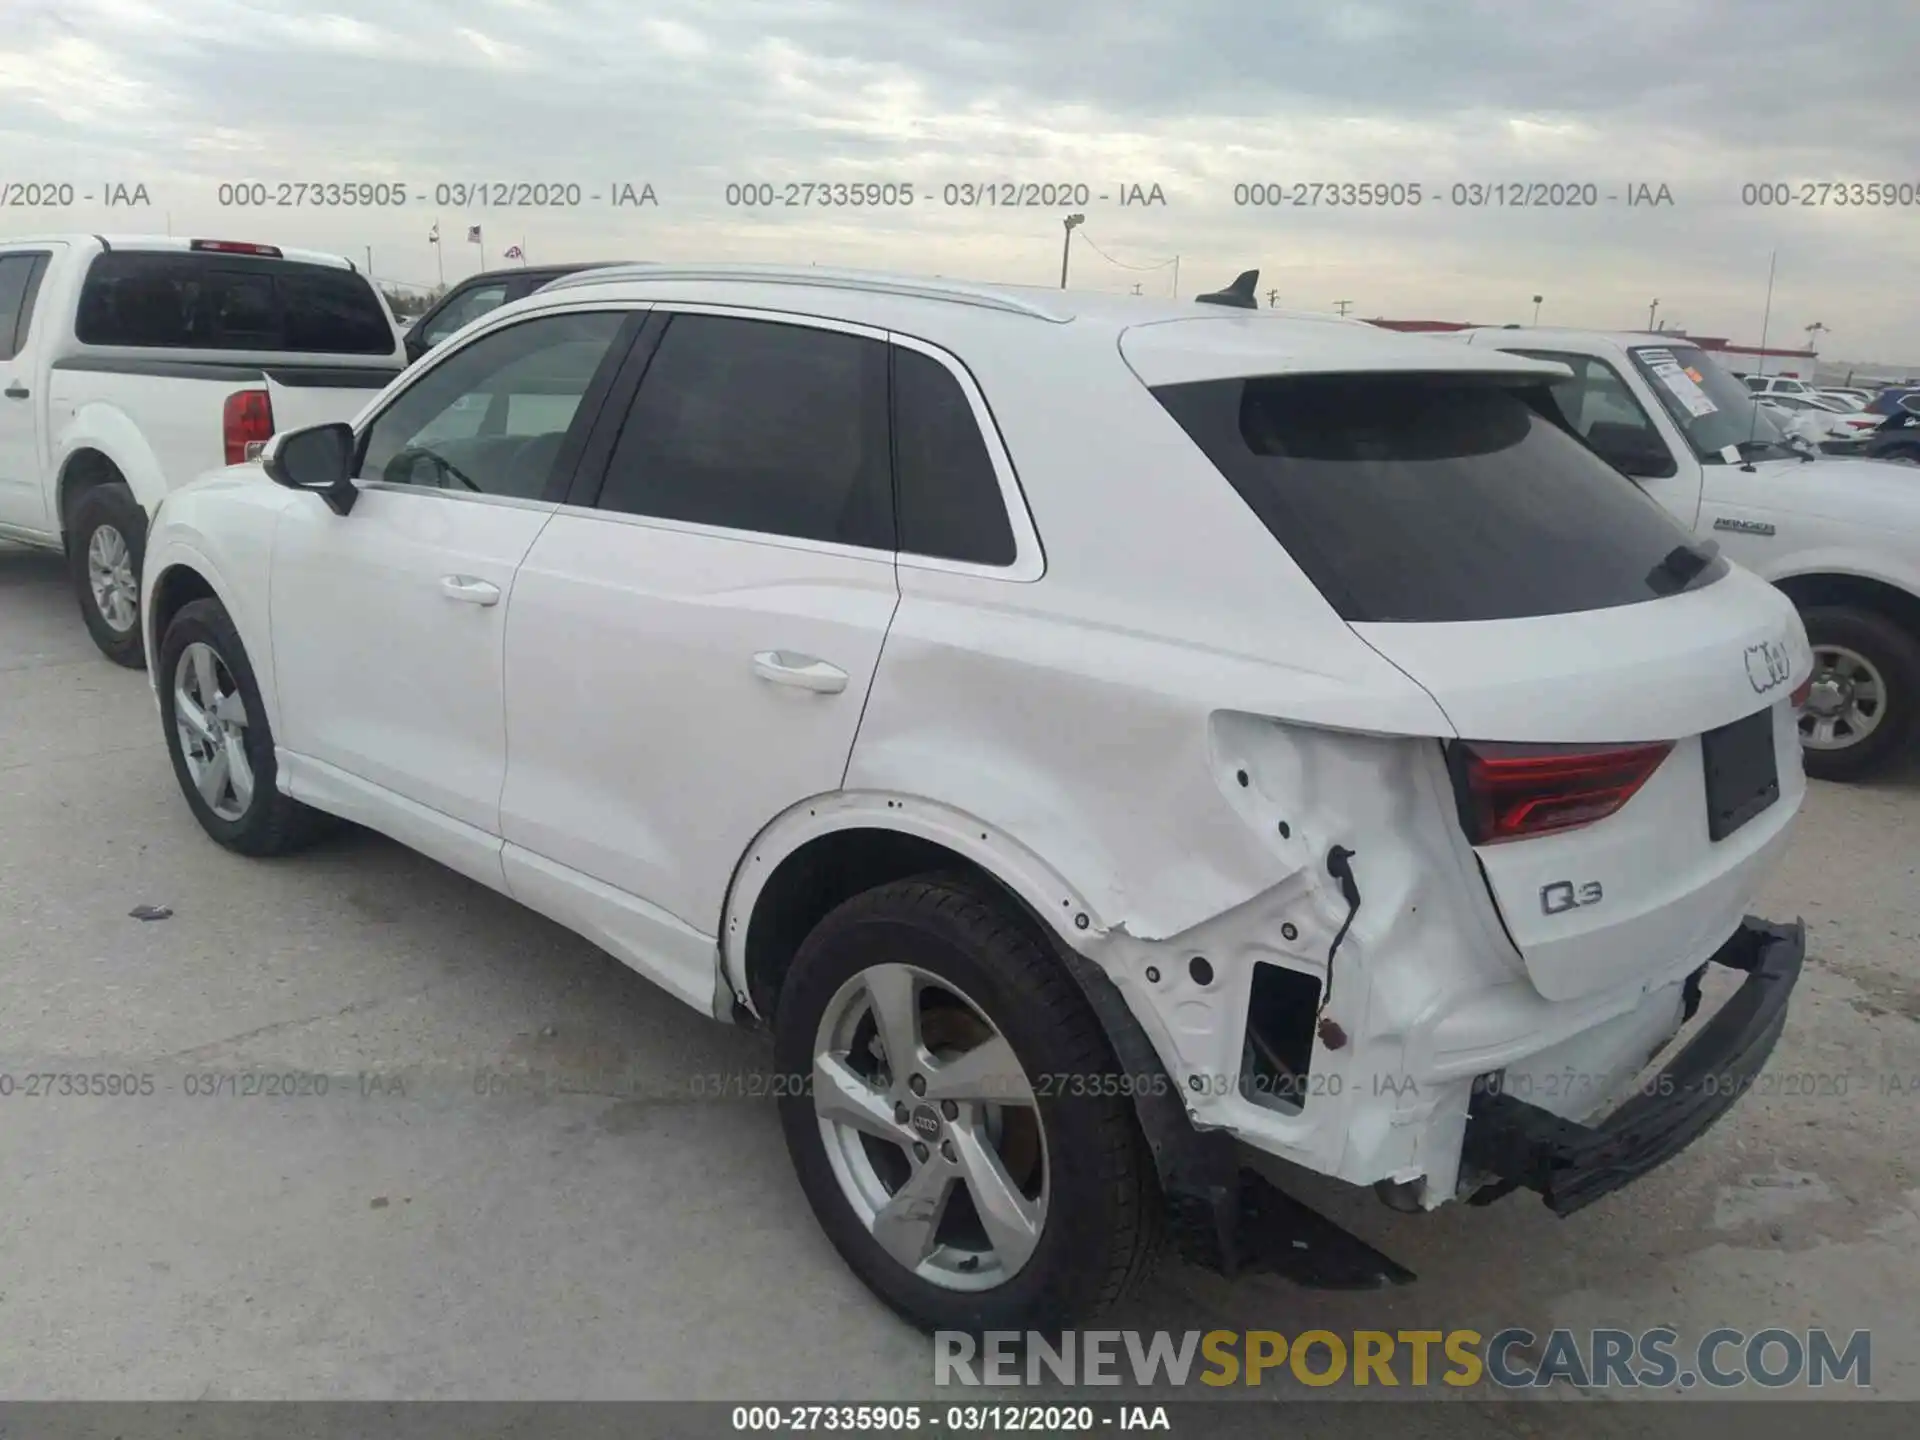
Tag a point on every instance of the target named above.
point(443, 1223)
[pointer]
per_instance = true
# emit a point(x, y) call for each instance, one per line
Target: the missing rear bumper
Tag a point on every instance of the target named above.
point(1257, 1228)
point(1571, 1165)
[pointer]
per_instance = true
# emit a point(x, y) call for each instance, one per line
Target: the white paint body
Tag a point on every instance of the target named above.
point(157, 430)
point(600, 744)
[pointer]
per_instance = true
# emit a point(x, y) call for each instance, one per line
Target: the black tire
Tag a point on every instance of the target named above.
point(1104, 1220)
point(1892, 650)
point(271, 823)
point(110, 505)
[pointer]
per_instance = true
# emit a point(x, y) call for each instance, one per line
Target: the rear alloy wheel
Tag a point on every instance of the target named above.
point(1864, 694)
point(943, 1158)
point(106, 541)
point(936, 1124)
point(219, 740)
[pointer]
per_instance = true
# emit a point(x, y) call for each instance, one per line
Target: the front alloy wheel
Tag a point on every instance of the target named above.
point(931, 1128)
point(210, 716)
point(219, 738)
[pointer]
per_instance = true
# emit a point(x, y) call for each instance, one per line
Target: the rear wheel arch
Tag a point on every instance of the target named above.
point(828, 849)
point(84, 470)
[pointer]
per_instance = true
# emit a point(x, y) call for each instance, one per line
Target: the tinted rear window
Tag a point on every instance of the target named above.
point(1430, 498)
point(221, 302)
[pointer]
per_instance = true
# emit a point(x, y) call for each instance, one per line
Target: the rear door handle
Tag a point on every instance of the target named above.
point(470, 589)
point(16, 391)
point(783, 667)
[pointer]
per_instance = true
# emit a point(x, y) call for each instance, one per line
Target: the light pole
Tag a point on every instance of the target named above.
point(1066, 245)
point(1652, 310)
point(1536, 308)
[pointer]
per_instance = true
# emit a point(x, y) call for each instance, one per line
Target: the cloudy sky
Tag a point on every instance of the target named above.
point(692, 96)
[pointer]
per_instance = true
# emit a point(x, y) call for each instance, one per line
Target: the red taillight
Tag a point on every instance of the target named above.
point(235, 247)
point(1511, 792)
point(247, 424)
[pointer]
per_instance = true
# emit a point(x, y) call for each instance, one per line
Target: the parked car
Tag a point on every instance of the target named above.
point(1850, 401)
point(1779, 385)
point(130, 365)
point(1839, 536)
point(1896, 400)
point(1094, 734)
point(1897, 439)
point(1818, 423)
point(479, 295)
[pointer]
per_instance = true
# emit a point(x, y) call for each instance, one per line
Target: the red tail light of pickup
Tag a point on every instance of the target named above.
point(247, 424)
point(1515, 792)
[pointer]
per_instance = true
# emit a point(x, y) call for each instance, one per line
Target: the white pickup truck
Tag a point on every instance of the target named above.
point(1841, 536)
point(130, 365)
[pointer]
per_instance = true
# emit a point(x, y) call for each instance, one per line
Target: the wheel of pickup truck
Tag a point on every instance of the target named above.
point(950, 1115)
point(106, 542)
point(219, 740)
point(1863, 709)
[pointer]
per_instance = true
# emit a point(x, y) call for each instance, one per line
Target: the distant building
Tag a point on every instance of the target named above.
point(1740, 359)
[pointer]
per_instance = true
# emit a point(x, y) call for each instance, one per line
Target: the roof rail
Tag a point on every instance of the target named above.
point(819, 278)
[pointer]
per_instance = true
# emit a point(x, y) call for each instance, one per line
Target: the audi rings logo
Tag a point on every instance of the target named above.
point(1768, 665)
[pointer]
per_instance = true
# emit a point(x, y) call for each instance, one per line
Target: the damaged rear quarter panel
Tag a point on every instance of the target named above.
point(1116, 757)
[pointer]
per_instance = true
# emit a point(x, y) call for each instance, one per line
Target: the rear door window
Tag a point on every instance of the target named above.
point(208, 301)
point(1421, 498)
point(754, 425)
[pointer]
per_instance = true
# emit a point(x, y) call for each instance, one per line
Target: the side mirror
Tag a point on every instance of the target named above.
point(319, 459)
point(1631, 451)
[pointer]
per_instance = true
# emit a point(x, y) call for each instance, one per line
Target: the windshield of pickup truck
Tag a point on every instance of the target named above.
point(1712, 409)
point(199, 301)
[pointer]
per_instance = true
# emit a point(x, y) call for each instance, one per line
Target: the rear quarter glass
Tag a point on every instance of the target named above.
point(1436, 498)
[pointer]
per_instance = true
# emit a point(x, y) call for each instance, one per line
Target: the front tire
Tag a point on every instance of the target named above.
point(219, 740)
point(1864, 707)
point(106, 545)
point(954, 1115)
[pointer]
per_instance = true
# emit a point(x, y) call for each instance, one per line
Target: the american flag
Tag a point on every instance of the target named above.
point(514, 252)
point(473, 234)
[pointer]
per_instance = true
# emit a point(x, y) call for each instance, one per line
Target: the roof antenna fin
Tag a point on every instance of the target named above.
point(1239, 294)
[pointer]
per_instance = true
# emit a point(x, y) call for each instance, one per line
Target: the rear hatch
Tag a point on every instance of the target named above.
point(1624, 761)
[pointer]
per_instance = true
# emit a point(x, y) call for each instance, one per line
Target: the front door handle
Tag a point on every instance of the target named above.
point(783, 667)
point(16, 391)
point(470, 589)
